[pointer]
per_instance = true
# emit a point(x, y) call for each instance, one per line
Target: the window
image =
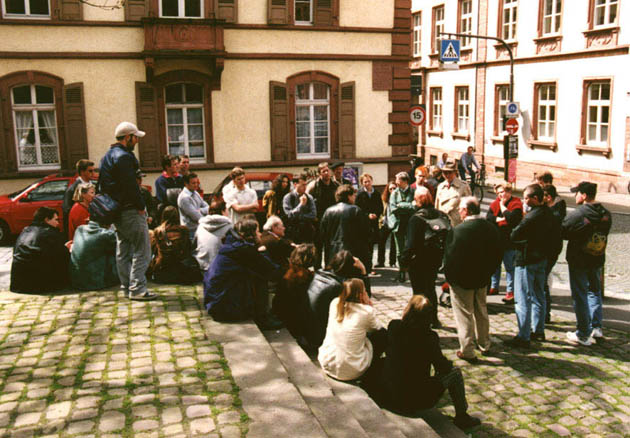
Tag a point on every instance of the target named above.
point(508, 20)
point(605, 12)
point(303, 12)
point(545, 112)
point(181, 8)
point(49, 191)
point(462, 104)
point(417, 33)
point(312, 119)
point(465, 21)
point(185, 121)
point(598, 113)
point(551, 17)
point(436, 109)
point(501, 99)
point(438, 27)
point(35, 126)
point(26, 8)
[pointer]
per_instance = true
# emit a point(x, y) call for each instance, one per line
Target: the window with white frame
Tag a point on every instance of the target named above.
point(509, 19)
point(312, 120)
point(598, 113)
point(438, 26)
point(552, 16)
point(181, 8)
point(605, 12)
point(546, 129)
point(417, 33)
point(26, 8)
point(436, 109)
point(185, 121)
point(465, 21)
point(303, 11)
point(463, 109)
point(502, 99)
point(35, 126)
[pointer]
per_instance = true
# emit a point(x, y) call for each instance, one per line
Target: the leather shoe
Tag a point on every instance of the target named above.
point(537, 337)
point(471, 360)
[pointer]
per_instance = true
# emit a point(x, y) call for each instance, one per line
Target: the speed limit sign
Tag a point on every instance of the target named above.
point(417, 115)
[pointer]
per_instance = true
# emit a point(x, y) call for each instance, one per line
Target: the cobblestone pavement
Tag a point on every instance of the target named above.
point(553, 389)
point(98, 365)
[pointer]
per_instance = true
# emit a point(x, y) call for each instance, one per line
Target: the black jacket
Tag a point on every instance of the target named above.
point(324, 195)
point(371, 205)
point(473, 252)
point(117, 177)
point(345, 226)
point(532, 236)
point(578, 227)
point(40, 260)
point(415, 255)
point(325, 287)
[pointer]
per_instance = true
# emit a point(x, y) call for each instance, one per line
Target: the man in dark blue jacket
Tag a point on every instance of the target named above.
point(586, 228)
point(117, 178)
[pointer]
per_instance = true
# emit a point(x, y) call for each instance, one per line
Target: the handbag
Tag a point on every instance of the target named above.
point(104, 209)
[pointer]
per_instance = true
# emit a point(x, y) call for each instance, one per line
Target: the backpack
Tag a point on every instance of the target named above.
point(436, 231)
point(595, 244)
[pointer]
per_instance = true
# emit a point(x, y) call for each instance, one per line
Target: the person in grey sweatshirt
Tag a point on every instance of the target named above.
point(209, 235)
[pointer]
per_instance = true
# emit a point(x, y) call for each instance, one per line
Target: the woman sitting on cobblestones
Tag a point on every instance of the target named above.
point(354, 337)
point(406, 384)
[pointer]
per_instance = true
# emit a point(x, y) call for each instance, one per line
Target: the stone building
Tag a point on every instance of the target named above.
point(570, 67)
point(264, 84)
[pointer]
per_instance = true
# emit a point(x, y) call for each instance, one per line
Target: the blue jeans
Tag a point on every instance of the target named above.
point(133, 251)
point(508, 262)
point(529, 298)
point(586, 292)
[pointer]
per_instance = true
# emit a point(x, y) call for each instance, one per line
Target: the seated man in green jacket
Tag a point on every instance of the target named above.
point(93, 255)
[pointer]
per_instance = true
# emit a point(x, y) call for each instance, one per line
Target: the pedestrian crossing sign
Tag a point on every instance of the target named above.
point(449, 51)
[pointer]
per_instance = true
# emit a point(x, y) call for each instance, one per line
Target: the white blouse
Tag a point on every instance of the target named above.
point(347, 352)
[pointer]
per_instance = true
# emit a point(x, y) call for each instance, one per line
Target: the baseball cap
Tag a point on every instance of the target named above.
point(588, 188)
point(125, 128)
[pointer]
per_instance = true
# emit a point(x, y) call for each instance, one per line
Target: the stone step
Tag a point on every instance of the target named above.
point(333, 415)
point(271, 400)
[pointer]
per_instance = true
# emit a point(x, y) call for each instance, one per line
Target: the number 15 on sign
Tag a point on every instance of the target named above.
point(417, 115)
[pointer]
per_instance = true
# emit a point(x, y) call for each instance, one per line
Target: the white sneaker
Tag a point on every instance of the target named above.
point(597, 333)
point(573, 338)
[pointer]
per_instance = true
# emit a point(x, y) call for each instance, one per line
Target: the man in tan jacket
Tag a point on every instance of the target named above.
point(450, 192)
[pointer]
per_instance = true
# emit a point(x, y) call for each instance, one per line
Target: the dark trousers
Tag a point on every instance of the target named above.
point(372, 375)
point(423, 283)
point(551, 262)
point(385, 233)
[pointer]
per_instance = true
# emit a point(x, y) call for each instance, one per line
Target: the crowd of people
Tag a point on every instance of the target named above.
point(314, 255)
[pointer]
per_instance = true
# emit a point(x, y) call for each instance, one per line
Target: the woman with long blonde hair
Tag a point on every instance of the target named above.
point(354, 337)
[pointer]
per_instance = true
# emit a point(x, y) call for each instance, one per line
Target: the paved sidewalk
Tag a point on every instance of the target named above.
point(97, 365)
point(553, 389)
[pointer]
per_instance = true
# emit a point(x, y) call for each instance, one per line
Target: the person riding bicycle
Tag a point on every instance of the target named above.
point(466, 163)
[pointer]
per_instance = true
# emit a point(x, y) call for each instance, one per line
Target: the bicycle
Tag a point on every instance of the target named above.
point(477, 186)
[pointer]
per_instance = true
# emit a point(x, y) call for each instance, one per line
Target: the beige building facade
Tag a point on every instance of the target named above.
point(263, 84)
point(570, 68)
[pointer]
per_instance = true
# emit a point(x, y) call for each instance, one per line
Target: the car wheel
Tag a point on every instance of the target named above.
point(5, 232)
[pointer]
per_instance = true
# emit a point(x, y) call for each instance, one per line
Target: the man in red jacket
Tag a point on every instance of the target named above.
point(505, 213)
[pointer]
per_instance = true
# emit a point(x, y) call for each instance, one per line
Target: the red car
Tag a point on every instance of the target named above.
point(17, 209)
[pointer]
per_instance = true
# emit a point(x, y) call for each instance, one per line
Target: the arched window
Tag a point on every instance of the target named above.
point(312, 120)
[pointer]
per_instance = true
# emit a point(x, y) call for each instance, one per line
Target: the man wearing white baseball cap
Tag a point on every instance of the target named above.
point(117, 178)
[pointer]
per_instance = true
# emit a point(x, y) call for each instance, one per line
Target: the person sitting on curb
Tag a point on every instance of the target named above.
point(209, 235)
point(93, 256)
point(40, 256)
point(191, 205)
point(406, 384)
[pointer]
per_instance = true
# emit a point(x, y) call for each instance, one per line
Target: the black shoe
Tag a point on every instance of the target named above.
point(269, 323)
point(537, 337)
point(517, 342)
point(548, 319)
point(466, 421)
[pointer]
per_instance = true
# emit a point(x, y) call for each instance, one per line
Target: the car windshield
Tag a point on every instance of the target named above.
point(14, 195)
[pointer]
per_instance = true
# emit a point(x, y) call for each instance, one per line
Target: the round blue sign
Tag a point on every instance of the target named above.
point(512, 108)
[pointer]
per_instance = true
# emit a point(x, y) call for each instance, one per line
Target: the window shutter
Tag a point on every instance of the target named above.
point(136, 9)
point(324, 13)
point(277, 11)
point(75, 126)
point(147, 115)
point(7, 164)
point(347, 142)
point(279, 116)
point(226, 10)
point(71, 10)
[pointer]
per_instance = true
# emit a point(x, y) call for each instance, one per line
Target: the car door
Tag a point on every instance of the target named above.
point(47, 194)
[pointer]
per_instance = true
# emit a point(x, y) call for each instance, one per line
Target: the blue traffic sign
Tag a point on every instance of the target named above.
point(449, 50)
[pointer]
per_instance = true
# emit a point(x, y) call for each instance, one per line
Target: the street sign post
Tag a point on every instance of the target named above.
point(417, 115)
point(511, 126)
point(510, 153)
point(449, 51)
point(512, 110)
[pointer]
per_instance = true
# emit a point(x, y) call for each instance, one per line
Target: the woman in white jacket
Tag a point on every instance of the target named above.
point(354, 337)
